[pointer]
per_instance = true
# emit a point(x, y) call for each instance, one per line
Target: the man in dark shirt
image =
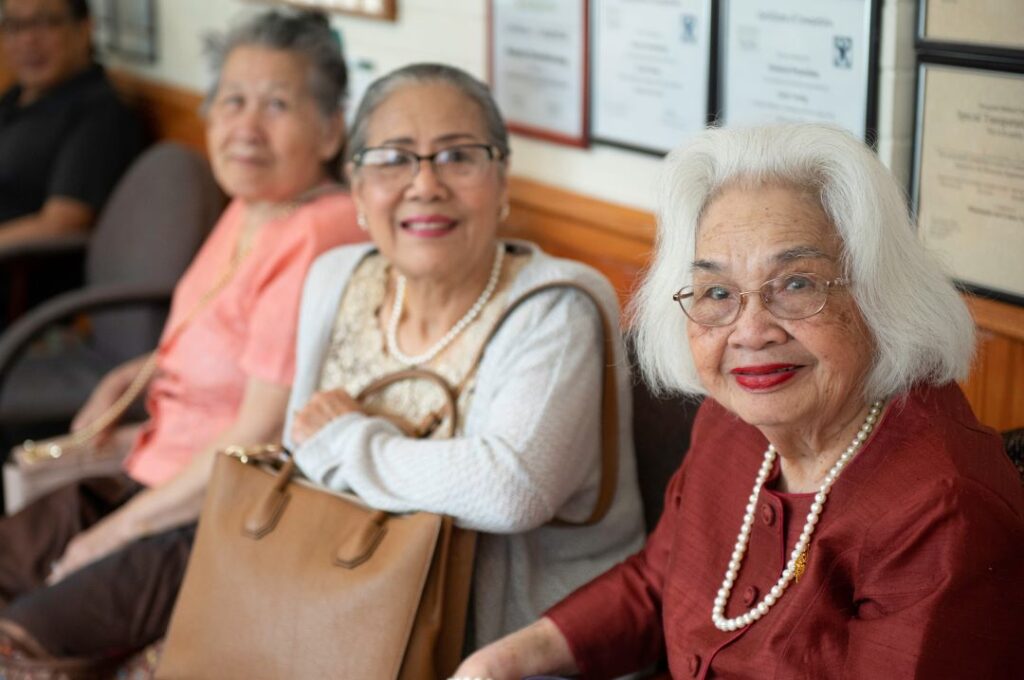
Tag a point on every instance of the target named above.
point(65, 137)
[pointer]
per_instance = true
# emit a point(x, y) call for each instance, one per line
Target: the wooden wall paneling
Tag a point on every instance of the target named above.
point(169, 112)
point(613, 239)
point(995, 387)
point(617, 241)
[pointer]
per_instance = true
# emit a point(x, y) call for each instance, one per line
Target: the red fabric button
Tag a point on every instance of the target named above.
point(750, 595)
point(768, 514)
point(694, 665)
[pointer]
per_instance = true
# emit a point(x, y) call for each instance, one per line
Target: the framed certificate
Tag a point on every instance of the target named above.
point(538, 67)
point(386, 10)
point(796, 61)
point(968, 182)
point(128, 28)
point(650, 64)
point(994, 27)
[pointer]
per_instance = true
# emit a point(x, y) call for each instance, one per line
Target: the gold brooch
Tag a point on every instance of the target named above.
point(800, 566)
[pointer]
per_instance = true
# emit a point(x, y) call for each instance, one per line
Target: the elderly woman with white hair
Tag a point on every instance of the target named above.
point(841, 512)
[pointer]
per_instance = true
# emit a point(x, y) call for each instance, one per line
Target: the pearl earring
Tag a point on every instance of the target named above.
point(361, 221)
point(503, 213)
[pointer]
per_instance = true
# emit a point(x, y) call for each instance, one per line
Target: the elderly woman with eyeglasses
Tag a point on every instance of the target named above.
point(427, 162)
point(841, 512)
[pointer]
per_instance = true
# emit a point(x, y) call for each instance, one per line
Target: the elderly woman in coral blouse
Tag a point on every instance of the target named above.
point(841, 512)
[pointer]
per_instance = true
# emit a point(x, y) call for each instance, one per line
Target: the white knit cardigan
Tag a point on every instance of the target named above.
point(529, 450)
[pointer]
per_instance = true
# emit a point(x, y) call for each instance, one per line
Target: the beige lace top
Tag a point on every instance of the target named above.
point(358, 355)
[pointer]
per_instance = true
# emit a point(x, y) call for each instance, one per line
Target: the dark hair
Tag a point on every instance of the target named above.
point(306, 33)
point(385, 86)
point(79, 8)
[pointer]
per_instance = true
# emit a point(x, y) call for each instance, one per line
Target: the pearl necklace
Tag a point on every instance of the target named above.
point(798, 557)
point(396, 312)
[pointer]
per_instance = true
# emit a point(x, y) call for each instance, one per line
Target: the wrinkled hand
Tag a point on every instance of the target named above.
point(322, 408)
point(89, 546)
point(537, 649)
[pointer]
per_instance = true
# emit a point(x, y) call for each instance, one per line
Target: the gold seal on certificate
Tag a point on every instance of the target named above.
point(969, 173)
point(797, 61)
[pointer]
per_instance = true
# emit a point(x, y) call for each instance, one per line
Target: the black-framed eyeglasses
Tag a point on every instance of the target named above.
point(794, 296)
point(11, 26)
point(459, 165)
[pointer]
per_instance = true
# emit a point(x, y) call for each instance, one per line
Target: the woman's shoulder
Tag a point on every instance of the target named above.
point(334, 266)
point(543, 269)
point(929, 452)
point(328, 221)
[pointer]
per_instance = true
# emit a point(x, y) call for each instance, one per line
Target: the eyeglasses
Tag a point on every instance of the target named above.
point(791, 296)
point(11, 26)
point(457, 166)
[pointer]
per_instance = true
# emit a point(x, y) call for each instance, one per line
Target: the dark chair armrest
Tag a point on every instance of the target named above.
point(44, 247)
point(20, 334)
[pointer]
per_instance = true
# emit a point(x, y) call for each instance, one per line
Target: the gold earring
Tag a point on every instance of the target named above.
point(503, 213)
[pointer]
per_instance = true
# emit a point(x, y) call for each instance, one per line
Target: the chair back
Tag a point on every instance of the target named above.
point(149, 231)
point(661, 437)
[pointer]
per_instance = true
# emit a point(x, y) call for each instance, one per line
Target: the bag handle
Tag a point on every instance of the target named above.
point(430, 423)
point(33, 452)
point(609, 398)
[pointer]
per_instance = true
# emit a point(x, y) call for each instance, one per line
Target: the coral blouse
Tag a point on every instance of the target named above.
point(247, 330)
point(915, 570)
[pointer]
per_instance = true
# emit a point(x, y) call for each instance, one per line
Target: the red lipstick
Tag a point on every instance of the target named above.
point(764, 376)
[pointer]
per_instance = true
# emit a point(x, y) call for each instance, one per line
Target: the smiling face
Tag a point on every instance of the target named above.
point(427, 228)
point(44, 44)
point(774, 373)
point(267, 138)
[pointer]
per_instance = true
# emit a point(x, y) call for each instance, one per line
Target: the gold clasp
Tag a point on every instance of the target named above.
point(35, 452)
point(256, 453)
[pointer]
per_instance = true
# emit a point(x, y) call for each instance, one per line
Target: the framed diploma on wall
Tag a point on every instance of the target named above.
point(127, 28)
point(386, 10)
point(994, 27)
point(650, 64)
point(968, 182)
point(796, 61)
point(538, 67)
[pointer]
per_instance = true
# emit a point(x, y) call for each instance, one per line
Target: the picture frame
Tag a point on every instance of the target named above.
point(127, 28)
point(652, 72)
point(992, 28)
point(967, 182)
point(538, 69)
point(792, 61)
point(382, 10)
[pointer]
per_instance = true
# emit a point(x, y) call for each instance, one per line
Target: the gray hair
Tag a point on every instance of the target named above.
point(304, 33)
point(385, 86)
point(921, 328)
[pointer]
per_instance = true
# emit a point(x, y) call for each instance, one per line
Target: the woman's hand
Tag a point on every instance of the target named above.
point(322, 408)
point(104, 538)
point(538, 648)
point(109, 390)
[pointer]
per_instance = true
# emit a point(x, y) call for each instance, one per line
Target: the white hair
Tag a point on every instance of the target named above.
point(920, 326)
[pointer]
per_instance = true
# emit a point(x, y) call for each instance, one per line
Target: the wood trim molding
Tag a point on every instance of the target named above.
point(997, 317)
point(170, 112)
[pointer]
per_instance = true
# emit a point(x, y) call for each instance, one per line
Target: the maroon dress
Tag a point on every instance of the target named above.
point(915, 570)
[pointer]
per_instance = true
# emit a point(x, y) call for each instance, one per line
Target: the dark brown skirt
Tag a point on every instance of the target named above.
point(98, 615)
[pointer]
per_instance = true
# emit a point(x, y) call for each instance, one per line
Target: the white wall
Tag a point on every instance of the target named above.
point(454, 31)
